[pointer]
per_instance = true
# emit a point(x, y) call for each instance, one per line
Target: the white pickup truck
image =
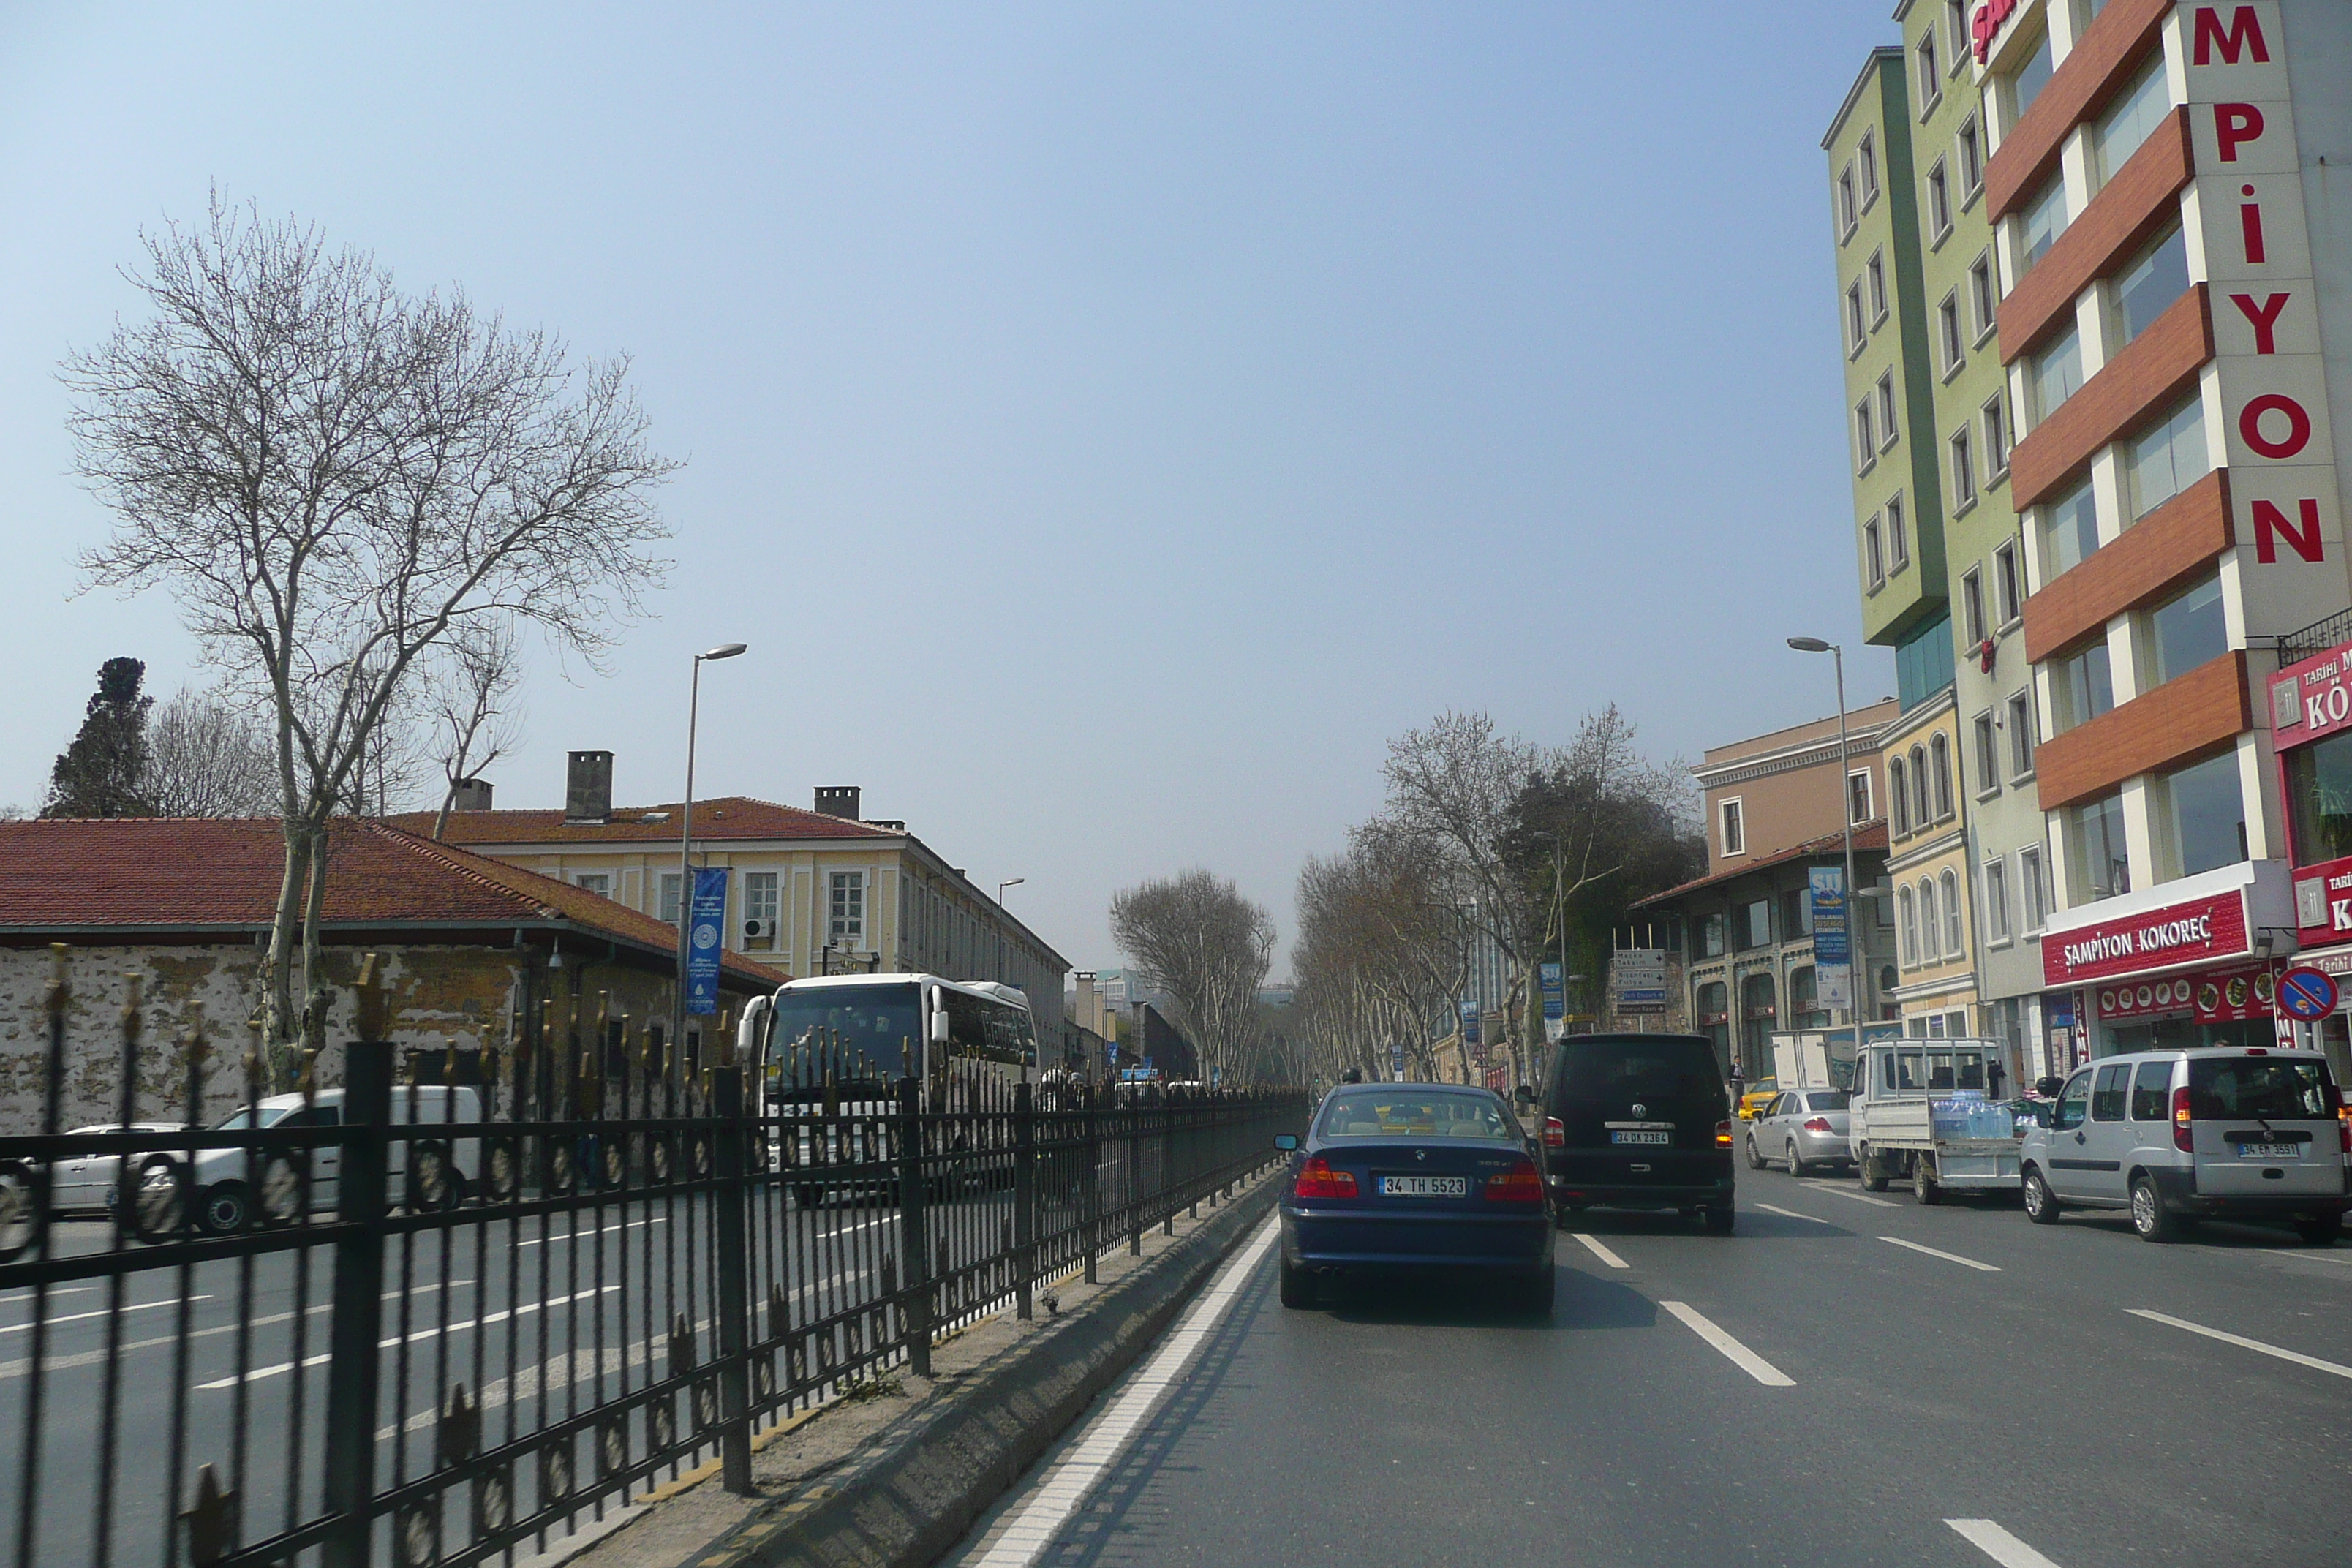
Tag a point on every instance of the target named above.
point(1920, 1110)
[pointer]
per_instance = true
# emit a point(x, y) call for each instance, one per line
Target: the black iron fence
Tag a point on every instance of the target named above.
point(446, 1320)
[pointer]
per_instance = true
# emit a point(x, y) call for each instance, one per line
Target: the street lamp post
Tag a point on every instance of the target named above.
point(686, 852)
point(1008, 882)
point(1845, 815)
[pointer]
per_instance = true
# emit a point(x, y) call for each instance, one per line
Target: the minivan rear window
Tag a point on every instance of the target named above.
point(2223, 1086)
point(1662, 1068)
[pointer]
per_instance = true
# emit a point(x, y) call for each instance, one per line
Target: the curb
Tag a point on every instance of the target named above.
point(913, 1490)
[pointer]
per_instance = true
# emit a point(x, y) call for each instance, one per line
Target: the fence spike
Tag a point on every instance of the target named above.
point(461, 1427)
point(211, 1520)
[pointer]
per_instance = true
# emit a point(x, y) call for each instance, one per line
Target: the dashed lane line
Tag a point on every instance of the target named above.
point(1065, 1486)
point(1791, 1214)
point(1602, 1253)
point(1858, 1197)
point(82, 1317)
point(1999, 1544)
point(2338, 1368)
point(1739, 1355)
point(1946, 1257)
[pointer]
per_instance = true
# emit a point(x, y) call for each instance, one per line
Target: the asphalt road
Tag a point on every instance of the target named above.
point(1837, 1383)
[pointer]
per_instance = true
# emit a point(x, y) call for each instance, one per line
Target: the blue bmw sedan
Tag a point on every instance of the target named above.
point(1415, 1177)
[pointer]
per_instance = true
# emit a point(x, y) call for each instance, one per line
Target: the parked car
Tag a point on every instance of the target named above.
point(2237, 1132)
point(1639, 1122)
point(1802, 1128)
point(1426, 1179)
point(233, 1188)
point(89, 1182)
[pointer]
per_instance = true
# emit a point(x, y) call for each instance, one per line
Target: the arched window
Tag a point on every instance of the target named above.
point(1919, 812)
point(1943, 753)
point(1954, 933)
point(1930, 940)
point(1907, 928)
point(1898, 795)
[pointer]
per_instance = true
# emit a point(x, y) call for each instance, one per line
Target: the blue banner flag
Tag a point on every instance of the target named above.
point(706, 918)
point(1827, 890)
point(1555, 992)
point(1470, 1023)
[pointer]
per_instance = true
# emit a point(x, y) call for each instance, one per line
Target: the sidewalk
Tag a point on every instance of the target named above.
point(894, 1471)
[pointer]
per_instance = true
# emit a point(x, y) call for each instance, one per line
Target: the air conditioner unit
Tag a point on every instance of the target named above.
point(755, 928)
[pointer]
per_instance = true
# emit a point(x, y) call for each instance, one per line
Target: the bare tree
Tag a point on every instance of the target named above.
point(209, 755)
point(330, 476)
point(1197, 939)
point(475, 707)
point(1382, 950)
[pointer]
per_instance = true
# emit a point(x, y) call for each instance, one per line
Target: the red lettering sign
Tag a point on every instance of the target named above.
point(2235, 123)
point(2323, 901)
point(2167, 938)
point(2271, 524)
point(2298, 425)
point(1986, 24)
point(2245, 36)
point(2265, 318)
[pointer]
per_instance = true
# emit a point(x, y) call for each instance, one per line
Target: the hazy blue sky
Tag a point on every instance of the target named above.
point(1106, 423)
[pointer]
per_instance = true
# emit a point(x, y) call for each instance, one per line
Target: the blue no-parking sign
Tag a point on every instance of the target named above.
point(2307, 994)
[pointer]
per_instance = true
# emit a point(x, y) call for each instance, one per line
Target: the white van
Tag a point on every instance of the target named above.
point(231, 1190)
point(2233, 1132)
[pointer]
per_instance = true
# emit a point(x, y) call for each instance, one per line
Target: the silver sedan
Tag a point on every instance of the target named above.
point(1802, 1128)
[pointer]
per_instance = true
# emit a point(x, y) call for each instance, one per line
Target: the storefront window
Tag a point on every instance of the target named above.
point(1714, 1003)
point(2319, 794)
point(1805, 1011)
point(1758, 1019)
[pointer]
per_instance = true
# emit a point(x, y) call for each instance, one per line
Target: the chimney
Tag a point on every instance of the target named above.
point(837, 800)
point(1085, 1009)
point(588, 788)
point(470, 794)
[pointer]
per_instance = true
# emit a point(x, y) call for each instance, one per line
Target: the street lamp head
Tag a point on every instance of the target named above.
point(724, 650)
point(1809, 645)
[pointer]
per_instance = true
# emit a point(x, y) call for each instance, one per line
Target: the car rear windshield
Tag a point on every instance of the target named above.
point(1662, 1069)
point(2221, 1086)
point(1827, 1100)
point(1409, 1112)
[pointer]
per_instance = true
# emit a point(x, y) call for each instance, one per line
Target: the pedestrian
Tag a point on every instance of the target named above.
point(1993, 1077)
point(1738, 1086)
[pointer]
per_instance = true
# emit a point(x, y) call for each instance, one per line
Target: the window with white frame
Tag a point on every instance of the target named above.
point(597, 882)
point(1951, 342)
point(2034, 889)
point(1956, 931)
point(1921, 812)
point(762, 911)
point(1971, 154)
point(1931, 931)
point(1972, 607)
point(1983, 298)
point(1857, 796)
point(1931, 74)
point(1857, 328)
point(1898, 796)
point(1964, 470)
point(672, 896)
point(1733, 830)
point(1898, 538)
point(1995, 417)
point(1907, 928)
point(1866, 154)
point(1874, 562)
point(1865, 443)
point(2019, 724)
point(1940, 750)
point(845, 910)
point(1956, 34)
point(1939, 203)
point(1849, 211)
point(2008, 583)
point(1996, 901)
point(1875, 274)
point(1988, 754)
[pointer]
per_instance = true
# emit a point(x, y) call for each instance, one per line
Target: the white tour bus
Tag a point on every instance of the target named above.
point(870, 1031)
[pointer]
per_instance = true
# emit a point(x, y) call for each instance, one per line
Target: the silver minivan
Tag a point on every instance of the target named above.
point(2235, 1132)
point(232, 1188)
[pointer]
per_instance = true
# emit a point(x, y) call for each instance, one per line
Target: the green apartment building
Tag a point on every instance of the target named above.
point(1936, 544)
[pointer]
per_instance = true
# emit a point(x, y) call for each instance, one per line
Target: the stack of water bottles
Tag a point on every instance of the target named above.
point(1967, 1114)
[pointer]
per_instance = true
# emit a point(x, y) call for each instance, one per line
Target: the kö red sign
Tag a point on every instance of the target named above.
point(2209, 928)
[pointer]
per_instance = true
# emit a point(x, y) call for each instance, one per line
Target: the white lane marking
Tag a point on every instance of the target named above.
point(1067, 1484)
point(1858, 1197)
point(55, 1292)
point(1946, 1257)
point(1999, 1544)
point(1600, 1251)
point(1739, 1355)
point(2338, 1368)
point(84, 1317)
point(1791, 1214)
point(2310, 1254)
point(258, 1374)
point(561, 1237)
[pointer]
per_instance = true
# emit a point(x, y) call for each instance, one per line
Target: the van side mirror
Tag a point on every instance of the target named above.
point(1286, 1142)
point(939, 1027)
point(1524, 1095)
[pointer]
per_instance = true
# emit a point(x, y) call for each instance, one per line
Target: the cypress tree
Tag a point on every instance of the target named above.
point(99, 774)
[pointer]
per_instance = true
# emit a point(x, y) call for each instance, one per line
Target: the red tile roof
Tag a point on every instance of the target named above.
point(733, 817)
point(158, 874)
point(1868, 835)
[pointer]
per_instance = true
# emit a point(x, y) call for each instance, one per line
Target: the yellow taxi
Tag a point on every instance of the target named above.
point(1760, 1094)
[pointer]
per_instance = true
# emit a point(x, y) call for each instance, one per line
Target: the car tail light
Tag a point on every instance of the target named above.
point(2183, 1135)
point(1317, 1179)
point(1818, 1124)
point(1555, 1135)
point(1519, 1184)
point(1723, 1134)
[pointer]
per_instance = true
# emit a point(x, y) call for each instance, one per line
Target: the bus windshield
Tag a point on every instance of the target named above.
point(855, 1031)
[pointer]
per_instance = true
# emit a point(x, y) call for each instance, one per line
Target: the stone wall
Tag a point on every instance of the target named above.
point(435, 997)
